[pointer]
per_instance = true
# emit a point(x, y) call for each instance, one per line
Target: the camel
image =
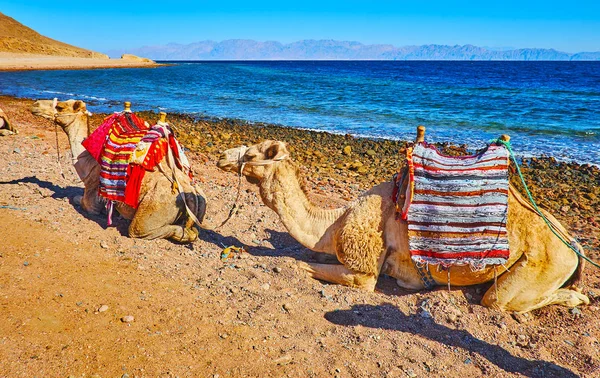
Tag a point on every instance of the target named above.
point(161, 211)
point(5, 127)
point(367, 239)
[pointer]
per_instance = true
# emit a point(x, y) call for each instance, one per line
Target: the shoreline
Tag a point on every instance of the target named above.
point(33, 62)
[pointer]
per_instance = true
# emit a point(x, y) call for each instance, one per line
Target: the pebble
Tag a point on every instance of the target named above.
point(521, 318)
point(127, 319)
point(575, 311)
point(284, 360)
point(265, 286)
point(17, 150)
point(452, 318)
point(103, 308)
point(287, 307)
point(26, 263)
point(277, 269)
point(104, 245)
point(125, 375)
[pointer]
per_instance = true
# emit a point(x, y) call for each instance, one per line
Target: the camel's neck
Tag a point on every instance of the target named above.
point(77, 131)
point(312, 226)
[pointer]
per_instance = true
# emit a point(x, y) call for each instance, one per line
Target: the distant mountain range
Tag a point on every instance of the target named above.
point(244, 49)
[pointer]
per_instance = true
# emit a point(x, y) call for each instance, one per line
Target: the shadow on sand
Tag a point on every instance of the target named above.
point(388, 316)
point(60, 193)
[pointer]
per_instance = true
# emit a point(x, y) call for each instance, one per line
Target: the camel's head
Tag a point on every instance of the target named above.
point(63, 112)
point(255, 161)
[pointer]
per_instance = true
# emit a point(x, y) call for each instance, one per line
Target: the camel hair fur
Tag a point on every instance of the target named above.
point(5, 126)
point(161, 212)
point(367, 239)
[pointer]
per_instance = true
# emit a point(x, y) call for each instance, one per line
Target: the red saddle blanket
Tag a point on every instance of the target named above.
point(126, 148)
point(112, 145)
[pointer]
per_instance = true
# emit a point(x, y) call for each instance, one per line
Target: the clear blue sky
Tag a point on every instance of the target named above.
point(570, 26)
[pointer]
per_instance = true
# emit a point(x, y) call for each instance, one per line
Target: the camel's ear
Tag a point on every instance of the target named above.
point(78, 105)
point(275, 150)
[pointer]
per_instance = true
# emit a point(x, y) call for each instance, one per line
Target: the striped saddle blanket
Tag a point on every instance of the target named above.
point(112, 144)
point(457, 207)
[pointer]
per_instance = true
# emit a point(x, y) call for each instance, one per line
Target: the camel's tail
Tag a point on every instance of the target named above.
point(576, 280)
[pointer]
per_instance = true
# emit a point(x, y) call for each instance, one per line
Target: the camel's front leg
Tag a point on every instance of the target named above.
point(339, 274)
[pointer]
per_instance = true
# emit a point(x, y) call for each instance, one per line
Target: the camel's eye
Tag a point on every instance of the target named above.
point(60, 107)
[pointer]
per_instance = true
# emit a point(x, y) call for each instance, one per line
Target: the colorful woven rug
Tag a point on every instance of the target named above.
point(457, 213)
point(112, 145)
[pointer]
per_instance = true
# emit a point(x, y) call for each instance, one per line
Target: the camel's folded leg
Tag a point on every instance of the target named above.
point(155, 218)
point(174, 232)
point(339, 274)
point(534, 284)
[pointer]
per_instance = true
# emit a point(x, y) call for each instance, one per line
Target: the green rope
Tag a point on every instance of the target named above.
point(550, 224)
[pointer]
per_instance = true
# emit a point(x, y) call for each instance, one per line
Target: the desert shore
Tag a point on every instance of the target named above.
point(67, 280)
point(23, 62)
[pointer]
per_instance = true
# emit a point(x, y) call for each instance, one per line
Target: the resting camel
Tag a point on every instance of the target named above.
point(5, 127)
point(161, 212)
point(368, 240)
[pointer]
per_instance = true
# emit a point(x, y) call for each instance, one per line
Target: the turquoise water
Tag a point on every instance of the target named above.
point(546, 107)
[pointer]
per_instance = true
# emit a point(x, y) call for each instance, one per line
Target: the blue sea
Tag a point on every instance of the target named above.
point(546, 107)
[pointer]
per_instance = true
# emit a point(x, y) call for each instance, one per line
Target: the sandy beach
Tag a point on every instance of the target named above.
point(21, 62)
point(256, 314)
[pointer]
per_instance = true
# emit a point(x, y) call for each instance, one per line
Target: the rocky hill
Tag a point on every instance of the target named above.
point(18, 38)
point(243, 49)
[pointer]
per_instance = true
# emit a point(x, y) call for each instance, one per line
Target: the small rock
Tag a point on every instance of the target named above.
point(521, 318)
point(277, 269)
point(522, 340)
point(347, 150)
point(468, 361)
point(265, 286)
point(127, 319)
point(371, 152)
point(125, 375)
point(224, 335)
point(575, 311)
point(426, 314)
point(26, 263)
point(284, 360)
point(452, 318)
point(104, 244)
point(17, 150)
point(287, 307)
point(103, 308)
